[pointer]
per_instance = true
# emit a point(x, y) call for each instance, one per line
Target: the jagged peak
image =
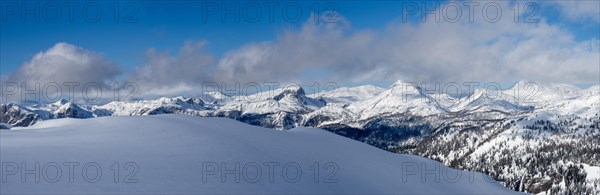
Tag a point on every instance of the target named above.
point(181, 97)
point(61, 102)
point(194, 100)
point(398, 83)
point(293, 90)
point(69, 104)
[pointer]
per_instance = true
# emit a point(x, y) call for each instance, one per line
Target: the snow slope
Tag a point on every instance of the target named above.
point(170, 152)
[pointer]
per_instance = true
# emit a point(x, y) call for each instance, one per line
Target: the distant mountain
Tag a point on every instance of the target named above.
point(400, 98)
point(179, 105)
point(290, 100)
point(488, 100)
point(216, 97)
point(71, 110)
point(524, 136)
point(280, 109)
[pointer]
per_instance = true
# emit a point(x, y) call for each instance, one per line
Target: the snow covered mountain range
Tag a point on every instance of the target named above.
point(530, 138)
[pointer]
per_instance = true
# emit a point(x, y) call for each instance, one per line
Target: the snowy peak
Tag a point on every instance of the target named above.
point(215, 97)
point(406, 87)
point(400, 98)
point(296, 95)
point(346, 95)
point(487, 100)
point(72, 110)
point(533, 93)
point(402, 84)
point(289, 100)
point(196, 103)
point(293, 92)
point(409, 90)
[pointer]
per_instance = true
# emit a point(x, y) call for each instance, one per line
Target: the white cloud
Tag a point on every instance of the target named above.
point(63, 71)
point(183, 73)
point(66, 63)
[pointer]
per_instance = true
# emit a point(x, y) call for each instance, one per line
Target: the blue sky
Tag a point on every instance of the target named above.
point(166, 26)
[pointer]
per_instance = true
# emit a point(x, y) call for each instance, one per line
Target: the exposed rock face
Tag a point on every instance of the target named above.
point(17, 116)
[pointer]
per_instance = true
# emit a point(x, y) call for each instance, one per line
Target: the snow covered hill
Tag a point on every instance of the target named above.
point(179, 154)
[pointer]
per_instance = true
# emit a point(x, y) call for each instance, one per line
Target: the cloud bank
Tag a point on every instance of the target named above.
point(422, 52)
point(465, 51)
